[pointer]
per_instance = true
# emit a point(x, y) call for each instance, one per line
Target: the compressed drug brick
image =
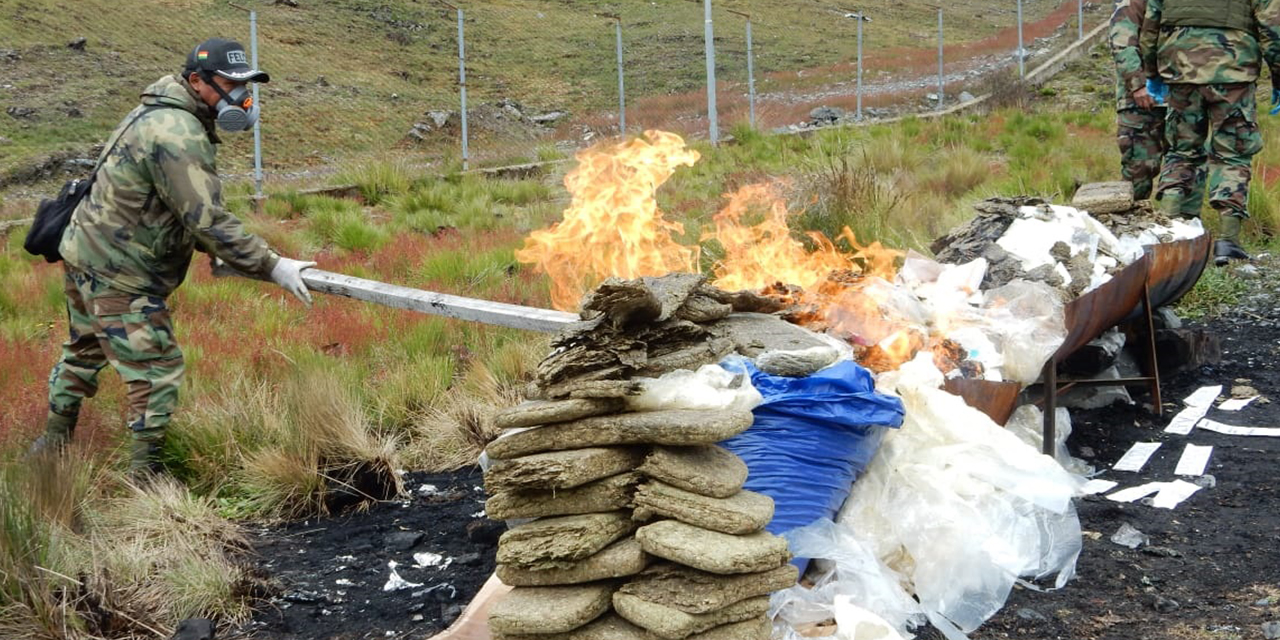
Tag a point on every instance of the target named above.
point(743, 512)
point(540, 412)
point(526, 610)
point(707, 470)
point(675, 427)
point(611, 626)
point(561, 469)
point(673, 624)
point(607, 494)
point(620, 559)
point(552, 543)
point(711, 550)
point(694, 591)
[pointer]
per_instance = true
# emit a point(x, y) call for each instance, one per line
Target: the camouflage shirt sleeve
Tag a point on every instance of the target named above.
point(185, 178)
point(1267, 15)
point(1149, 37)
point(1126, 23)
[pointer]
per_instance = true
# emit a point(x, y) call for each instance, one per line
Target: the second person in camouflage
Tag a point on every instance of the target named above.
point(1210, 53)
point(156, 199)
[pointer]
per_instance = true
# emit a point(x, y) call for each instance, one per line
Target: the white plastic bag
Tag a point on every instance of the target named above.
point(1027, 323)
point(709, 388)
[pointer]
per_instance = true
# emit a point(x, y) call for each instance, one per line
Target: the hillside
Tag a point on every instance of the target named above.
point(351, 77)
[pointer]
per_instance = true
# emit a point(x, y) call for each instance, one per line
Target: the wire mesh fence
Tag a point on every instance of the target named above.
point(354, 77)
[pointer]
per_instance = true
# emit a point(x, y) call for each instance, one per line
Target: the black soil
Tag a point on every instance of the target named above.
point(1210, 571)
point(326, 577)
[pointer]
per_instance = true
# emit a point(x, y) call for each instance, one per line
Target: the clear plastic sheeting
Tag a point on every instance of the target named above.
point(1027, 422)
point(954, 509)
point(709, 388)
point(1026, 322)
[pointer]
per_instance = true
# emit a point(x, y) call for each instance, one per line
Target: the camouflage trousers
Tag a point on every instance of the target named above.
point(1140, 133)
point(132, 333)
point(1228, 112)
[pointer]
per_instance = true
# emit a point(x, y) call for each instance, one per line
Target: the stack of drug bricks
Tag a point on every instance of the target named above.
point(641, 528)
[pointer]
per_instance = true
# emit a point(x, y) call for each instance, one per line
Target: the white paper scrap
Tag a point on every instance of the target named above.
point(1186, 420)
point(1136, 493)
point(1173, 493)
point(1097, 486)
point(428, 559)
point(395, 582)
point(1232, 430)
point(1203, 397)
point(1193, 461)
point(1236, 404)
point(1136, 457)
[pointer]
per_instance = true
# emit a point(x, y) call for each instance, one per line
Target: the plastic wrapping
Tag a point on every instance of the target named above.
point(954, 510)
point(709, 388)
point(1027, 422)
point(1027, 322)
point(811, 439)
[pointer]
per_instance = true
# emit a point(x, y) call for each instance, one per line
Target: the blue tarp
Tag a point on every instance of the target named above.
point(812, 437)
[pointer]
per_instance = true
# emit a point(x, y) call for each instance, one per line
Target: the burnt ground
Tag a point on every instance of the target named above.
point(1210, 571)
point(327, 576)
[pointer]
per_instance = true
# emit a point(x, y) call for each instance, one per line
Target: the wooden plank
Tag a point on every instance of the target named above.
point(441, 304)
point(6, 225)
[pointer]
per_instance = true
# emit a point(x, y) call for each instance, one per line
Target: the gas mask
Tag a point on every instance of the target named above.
point(236, 110)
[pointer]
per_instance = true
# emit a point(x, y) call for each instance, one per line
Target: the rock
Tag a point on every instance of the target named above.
point(302, 596)
point(485, 532)
point(449, 612)
point(1095, 356)
point(402, 540)
point(965, 96)
point(1163, 552)
point(78, 44)
point(1096, 397)
point(4, 140)
point(1182, 349)
point(709, 470)
point(528, 610)
point(469, 559)
point(21, 113)
point(827, 115)
point(1207, 481)
point(1271, 630)
point(287, 3)
point(1031, 615)
point(1166, 318)
point(194, 628)
point(711, 551)
point(1165, 605)
point(550, 117)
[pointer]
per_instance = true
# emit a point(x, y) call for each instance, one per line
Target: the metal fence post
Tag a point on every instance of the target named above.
point(942, 84)
point(257, 125)
point(1022, 68)
point(1079, 19)
point(622, 88)
point(709, 37)
point(462, 82)
point(751, 70)
point(860, 18)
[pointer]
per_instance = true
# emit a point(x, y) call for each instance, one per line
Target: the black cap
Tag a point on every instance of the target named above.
point(225, 58)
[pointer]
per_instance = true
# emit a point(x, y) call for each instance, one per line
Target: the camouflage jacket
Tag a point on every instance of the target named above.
point(1208, 55)
point(157, 198)
point(1126, 23)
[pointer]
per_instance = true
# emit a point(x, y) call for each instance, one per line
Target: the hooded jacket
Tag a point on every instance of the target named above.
point(157, 198)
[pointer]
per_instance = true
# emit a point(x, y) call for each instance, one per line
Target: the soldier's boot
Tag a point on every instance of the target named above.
point(1227, 247)
point(145, 464)
point(57, 435)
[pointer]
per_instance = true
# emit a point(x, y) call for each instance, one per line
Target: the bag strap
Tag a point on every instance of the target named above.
point(111, 145)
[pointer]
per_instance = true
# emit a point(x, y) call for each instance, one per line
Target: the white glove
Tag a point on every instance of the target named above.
point(288, 274)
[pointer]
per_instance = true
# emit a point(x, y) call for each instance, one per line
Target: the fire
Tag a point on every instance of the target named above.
point(613, 226)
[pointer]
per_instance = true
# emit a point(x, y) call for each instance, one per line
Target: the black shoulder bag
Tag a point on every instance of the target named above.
point(52, 216)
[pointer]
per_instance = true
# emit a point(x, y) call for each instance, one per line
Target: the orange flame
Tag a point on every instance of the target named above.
point(613, 226)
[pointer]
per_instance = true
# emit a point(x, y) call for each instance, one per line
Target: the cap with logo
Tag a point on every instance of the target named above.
point(225, 58)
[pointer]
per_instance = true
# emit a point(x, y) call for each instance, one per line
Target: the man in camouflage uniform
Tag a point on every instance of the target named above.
point(1210, 53)
point(156, 198)
point(1139, 118)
